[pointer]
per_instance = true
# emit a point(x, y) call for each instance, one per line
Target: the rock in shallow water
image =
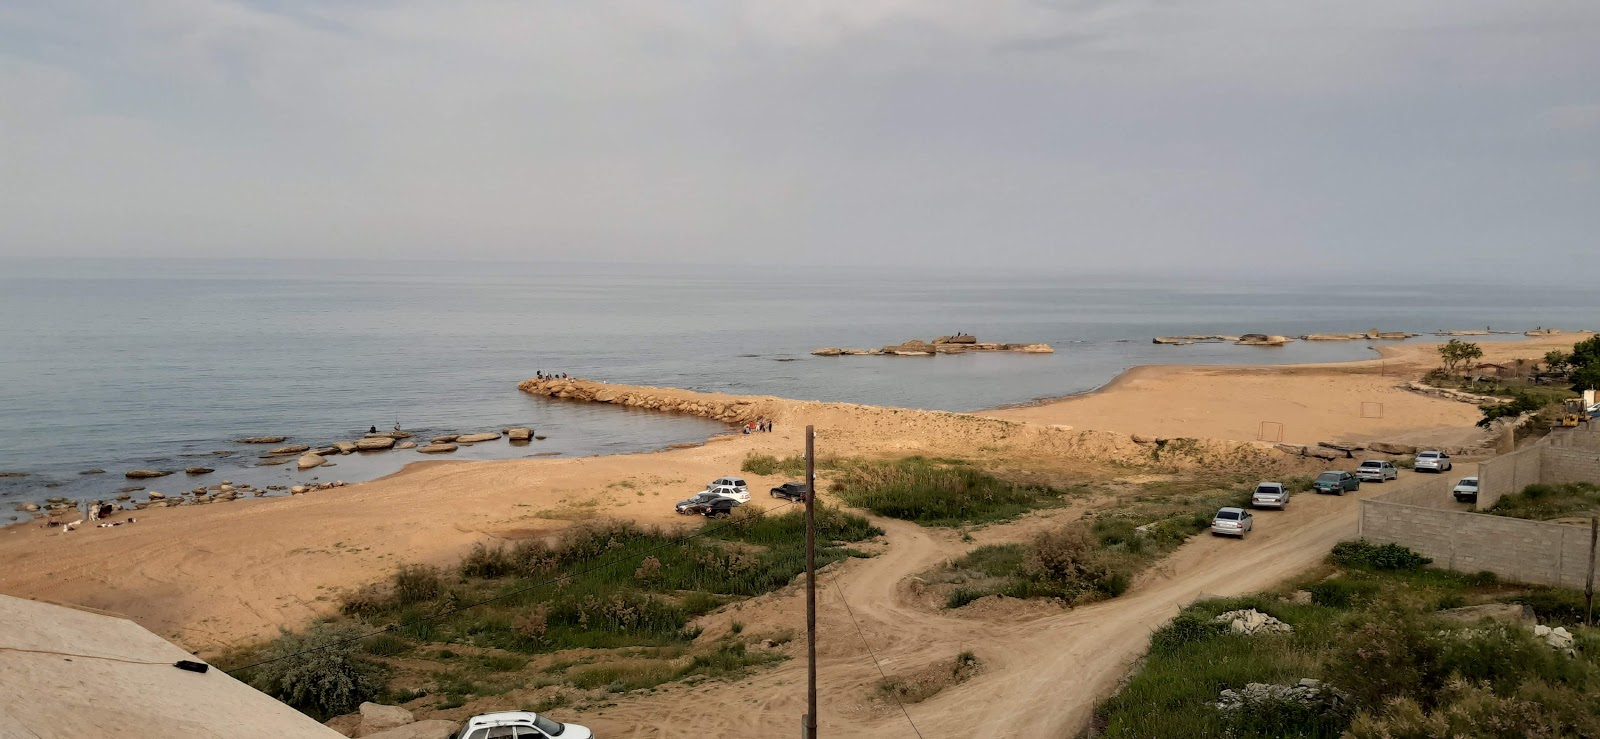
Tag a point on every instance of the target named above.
point(199, 471)
point(437, 448)
point(263, 440)
point(375, 444)
point(310, 461)
point(475, 438)
point(145, 474)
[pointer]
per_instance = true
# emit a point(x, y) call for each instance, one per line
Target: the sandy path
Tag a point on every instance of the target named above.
point(1042, 675)
point(1350, 401)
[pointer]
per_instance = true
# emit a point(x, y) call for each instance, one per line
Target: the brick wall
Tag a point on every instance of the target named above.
point(1523, 551)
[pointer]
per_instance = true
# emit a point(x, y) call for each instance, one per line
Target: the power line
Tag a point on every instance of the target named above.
point(86, 656)
point(439, 616)
point(873, 655)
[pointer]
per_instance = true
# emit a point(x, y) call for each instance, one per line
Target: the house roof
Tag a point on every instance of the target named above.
point(74, 673)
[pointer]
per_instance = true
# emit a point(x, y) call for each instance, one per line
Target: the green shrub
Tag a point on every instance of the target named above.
point(994, 560)
point(1543, 502)
point(1341, 592)
point(1070, 559)
point(485, 562)
point(1362, 554)
point(962, 596)
point(1185, 629)
point(1394, 655)
point(416, 583)
point(934, 493)
point(385, 645)
point(1553, 605)
point(766, 464)
point(321, 682)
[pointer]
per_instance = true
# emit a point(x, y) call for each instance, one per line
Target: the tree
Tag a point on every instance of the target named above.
point(1457, 353)
point(1585, 353)
point(1587, 377)
point(1555, 360)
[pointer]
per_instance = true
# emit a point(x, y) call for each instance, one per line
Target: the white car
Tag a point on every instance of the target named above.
point(730, 487)
point(1377, 470)
point(1232, 522)
point(1466, 491)
point(1432, 462)
point(520, 725)
point(1270, 495)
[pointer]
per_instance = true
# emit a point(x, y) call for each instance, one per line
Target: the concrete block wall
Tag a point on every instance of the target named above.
point(1508, 473)
point(1559, 465)
point(1578, 438)
point(1423, 489)
point(1534, 552)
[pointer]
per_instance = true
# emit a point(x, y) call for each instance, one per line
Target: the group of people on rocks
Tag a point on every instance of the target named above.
point(760, 425)
point(542, 375)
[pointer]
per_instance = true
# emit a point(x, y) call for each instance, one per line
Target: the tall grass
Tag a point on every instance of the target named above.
point(766, 464)
point(1543, 502)
point(938, 492)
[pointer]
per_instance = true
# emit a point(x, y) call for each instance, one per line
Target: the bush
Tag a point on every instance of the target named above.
point(1341, 593)
point(485, 562)
point(321, 682)
point(1395, 655)
point(415, 584)
point(1553, 605)
point(766, 464)
point(962, 596)
point(1070, 559)
point(934, 493)
point(1540, 502)
point(1187, 628)
point(1385, 557)
point(364, 601)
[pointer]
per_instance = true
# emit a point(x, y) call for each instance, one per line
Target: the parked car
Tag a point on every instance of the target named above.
point(697, 503)
point(1232, 522)
point(520, 725)
point(1270, 495)
point(1336, 482)
point(720, 507)
point(795, 491)
point(1432, 462)
point(1377, 470)
point(1466, 491)
point(732, 487)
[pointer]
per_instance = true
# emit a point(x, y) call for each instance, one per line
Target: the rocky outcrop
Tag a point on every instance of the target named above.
point(1509, 613)
point(1558, 638)
point(1262, 340)
point(1265, 698)
point(1373, 333)
point(476, 438)
point(1389, 447)
point(1250, 622)
point(153, 495)
point(1321, 452)
point(145, 474)
point(519, 434)
point(1343, 446)
point(443, 439)
point(1333, 337)
point(433, 728)
point(437, 448)
point(376, 717)
point(1449, 394)
point(374, 444)
point(198, 471)
point(1193, 339)
point(406, 445)
point(345, 447)
point(311, 461)
point(941, 345)
point(263, 440)
point(284, 451)
point(1543, 332)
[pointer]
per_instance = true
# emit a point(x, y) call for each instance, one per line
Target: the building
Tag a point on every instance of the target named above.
point(71, 673)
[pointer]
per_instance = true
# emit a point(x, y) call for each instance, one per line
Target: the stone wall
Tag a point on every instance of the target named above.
point(1578, 438)
point(1559, 465)
point(1533, 552)
point(1508, 474)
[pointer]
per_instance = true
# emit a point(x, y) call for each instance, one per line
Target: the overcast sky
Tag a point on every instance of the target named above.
point(1140, 135)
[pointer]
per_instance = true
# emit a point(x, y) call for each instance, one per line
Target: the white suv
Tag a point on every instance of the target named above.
point(520, 725)
point(730, 487)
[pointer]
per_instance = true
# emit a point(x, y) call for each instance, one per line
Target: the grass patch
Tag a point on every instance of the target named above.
point(938, 492)
point(1545, 502)
point(1401, 669)
point(659, 580)
point(766, 464)
point(928, 682)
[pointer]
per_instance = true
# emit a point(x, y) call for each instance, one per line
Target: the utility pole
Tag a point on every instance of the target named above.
point(809, 725)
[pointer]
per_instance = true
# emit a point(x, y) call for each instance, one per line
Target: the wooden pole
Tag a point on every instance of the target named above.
point(1588, 588)
point(811, 585)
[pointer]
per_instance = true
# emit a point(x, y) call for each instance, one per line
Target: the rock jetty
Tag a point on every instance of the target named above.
point(1262, 340)
point(942, 345)
point(1273, 340)
point(726, 408)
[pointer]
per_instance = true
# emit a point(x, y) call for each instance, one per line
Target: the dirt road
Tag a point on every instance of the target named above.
point(1042, 675)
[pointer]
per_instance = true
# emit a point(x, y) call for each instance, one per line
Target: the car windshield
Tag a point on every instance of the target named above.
point(553, 728)
point(1228, 515)
point(1328, 477)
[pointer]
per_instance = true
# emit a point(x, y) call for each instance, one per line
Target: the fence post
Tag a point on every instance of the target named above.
point(1588, 587)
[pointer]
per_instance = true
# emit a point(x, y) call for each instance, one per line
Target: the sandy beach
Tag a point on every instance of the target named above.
point(220, 574)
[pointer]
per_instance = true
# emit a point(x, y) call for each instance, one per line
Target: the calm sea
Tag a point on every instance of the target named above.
point(118, 365)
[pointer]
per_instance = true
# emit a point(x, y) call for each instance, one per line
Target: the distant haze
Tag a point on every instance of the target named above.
point(1055, 135)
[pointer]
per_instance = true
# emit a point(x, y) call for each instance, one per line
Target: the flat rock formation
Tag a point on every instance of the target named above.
point(726, 408)
point(263, 440)
point(1193, 339)
point(475, 438)
point(374, 444)
point(439, 448)
point(1333, 337)
point(145, 474)
point(959, 344)
point(1262, 340)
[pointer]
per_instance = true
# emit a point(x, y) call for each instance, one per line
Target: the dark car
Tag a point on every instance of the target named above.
point(795, 491)
point(698, 502)
point(1336, 482)
point(720, 507)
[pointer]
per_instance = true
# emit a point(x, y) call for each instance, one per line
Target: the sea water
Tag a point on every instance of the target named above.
point(127, 364)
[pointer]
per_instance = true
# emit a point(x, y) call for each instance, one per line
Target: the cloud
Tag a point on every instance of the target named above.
point(1042, 133)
